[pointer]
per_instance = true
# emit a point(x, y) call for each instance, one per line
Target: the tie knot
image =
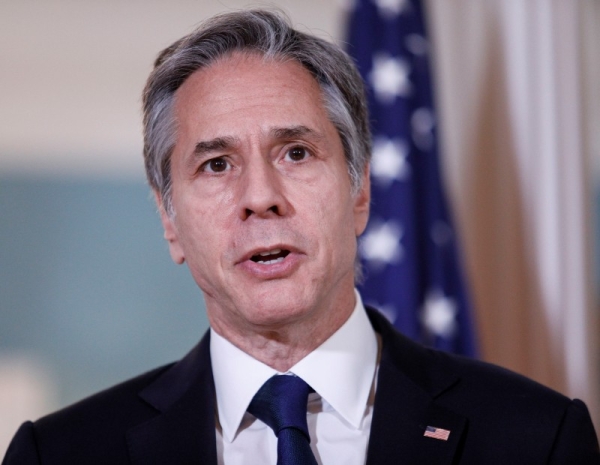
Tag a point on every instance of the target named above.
point(281, 403)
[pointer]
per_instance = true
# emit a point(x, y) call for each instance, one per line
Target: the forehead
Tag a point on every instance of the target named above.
point(246, 90)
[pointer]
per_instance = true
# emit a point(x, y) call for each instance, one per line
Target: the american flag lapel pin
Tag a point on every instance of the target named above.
point(437, 433)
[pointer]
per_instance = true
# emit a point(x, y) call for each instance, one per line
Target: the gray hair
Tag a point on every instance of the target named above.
point(269, 34)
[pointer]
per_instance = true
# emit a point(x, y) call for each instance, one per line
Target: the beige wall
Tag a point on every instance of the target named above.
point(72, 72)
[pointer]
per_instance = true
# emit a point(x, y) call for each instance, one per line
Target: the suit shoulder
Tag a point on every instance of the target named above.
point(441, 373)
point(96, 425)
point(97, 429)
point(496, 380)
point(509, 418)
point(118, 398)
point(484, 389)
point(481, 391)
point(536, 420)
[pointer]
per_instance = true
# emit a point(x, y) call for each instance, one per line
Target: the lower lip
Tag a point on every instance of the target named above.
point(279, 269)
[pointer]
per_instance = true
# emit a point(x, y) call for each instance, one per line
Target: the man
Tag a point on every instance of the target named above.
point(257, 148)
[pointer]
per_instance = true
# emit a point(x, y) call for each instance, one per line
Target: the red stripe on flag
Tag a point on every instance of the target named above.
point(437, 433)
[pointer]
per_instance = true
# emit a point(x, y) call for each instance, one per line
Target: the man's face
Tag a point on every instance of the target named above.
point(264, 213)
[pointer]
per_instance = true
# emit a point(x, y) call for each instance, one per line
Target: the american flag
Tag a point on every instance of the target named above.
point(409, 250)
point(437, 433)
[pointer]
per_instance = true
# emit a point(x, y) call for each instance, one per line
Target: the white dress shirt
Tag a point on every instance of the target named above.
point(342, 373)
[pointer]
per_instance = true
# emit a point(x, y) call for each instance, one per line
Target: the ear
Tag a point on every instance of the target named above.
point(170, 235)
point(362, 202)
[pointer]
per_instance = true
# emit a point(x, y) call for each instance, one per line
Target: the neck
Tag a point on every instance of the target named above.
point(282, 345)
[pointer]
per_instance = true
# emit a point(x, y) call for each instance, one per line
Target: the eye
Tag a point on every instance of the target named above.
point(216, 165)
point(297, 153)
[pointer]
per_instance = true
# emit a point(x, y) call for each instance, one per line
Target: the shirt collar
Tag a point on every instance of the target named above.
point(340, 370)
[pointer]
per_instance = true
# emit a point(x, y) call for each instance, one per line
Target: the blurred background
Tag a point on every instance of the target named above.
point(88, 293)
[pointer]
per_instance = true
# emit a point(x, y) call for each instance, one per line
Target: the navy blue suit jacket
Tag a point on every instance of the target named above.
point(167, 416)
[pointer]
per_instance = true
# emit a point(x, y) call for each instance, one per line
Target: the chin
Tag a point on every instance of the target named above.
point(277, 311)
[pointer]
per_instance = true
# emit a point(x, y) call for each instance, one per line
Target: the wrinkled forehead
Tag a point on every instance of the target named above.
point(244, 94)
point(248, 79)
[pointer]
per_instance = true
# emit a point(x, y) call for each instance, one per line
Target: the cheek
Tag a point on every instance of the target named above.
point(336, 224)
point(206, 210)
point(198, 231)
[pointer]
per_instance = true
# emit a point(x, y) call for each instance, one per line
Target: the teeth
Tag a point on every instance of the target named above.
point(270, 257)
point(270, 252)
point(270, 262)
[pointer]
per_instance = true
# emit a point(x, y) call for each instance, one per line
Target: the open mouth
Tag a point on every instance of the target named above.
point(269, 257)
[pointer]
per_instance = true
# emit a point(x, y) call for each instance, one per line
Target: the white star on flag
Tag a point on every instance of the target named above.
point(422, 122)
point(389, 160)
point(409, 248)
point(391, 8)
point(381, 244)
point(417, 44)
point(389, 78)
point(441, 233)
point(439, 314)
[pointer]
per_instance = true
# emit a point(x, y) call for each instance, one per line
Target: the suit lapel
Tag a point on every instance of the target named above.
point(184, 431)
point(409, 381)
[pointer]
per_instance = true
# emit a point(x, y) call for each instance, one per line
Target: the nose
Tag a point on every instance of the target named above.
point(262, 193)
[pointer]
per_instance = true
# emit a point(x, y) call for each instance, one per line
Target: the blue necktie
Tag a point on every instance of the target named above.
point(281, 404)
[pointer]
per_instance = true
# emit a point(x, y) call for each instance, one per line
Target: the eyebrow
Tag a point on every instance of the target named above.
point(220, 143)
point(228, 142)
point(295, 132)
